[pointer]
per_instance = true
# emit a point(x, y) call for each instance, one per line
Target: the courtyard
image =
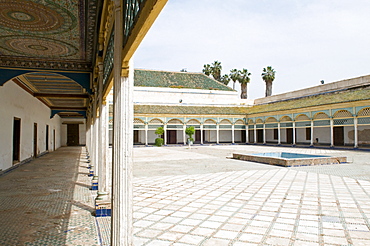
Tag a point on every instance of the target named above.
point(193, 196)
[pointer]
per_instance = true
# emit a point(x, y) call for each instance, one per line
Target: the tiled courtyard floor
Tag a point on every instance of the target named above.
point(198, 196)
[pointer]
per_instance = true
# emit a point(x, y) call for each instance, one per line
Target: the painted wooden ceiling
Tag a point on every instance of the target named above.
point(44, 31)
point(46, 38)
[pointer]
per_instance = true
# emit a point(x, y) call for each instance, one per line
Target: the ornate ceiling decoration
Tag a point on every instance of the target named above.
point(48, 34)
point(59, 93)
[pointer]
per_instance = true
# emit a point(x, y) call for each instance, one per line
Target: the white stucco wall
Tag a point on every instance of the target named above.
point(301, 136)
point(225, 136)
point(323, 134)
point(15, 102)
point(238, 135)
point(81, 128)
point(172, 96)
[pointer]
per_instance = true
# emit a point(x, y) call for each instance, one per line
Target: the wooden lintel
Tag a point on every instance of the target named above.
point(57, 95)
point(69, 108)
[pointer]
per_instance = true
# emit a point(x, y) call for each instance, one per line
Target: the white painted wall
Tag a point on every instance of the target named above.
point(172, 96)
point(238, 135)
point(225, 136)
point(82, 130)
point(323, 134)
point(15, 102)
point(301, 136)
point(270, 136)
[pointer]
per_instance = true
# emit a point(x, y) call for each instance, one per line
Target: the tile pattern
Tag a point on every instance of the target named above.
point(48, 202)
point(255, 206)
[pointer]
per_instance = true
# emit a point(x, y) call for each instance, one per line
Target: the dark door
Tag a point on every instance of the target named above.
point(243, 132)
point(338, 136)
point(171, 136)
point(136, 136)
point(197, 136)
point(289, 135)
point(47, 137)
point(16, 139)
point(72, 135)
point(259, 136)
point(34, 140)
point(53, 139)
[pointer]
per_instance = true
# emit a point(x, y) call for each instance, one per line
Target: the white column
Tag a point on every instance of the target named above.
point(146, 134)
point(217, 134)
point(122, 160)
point(264, 133)
point(104, 172)
point(96, 143)
point(246, 134)
point(294, 136)
point(232, 134)
point(311, 133)
point(331, 132)
point(255, 133)
point(165, 134)
point(279, 134)
point(355, 128)
point(103, 145)
point(122, 210)
point(201, 134)
point(93, 160)
point(183, 133)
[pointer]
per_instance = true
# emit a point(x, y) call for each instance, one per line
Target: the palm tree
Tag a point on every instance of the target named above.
point(244, 79)
point(268, 76)
point(225, 79)
point(216, 70)
point(234, 76)
point(207, 69)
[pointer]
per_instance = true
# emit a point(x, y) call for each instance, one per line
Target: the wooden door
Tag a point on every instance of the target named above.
point(73, 135)
point(34, 140)
point(197, 136)
point(259, 136)
point(136, 136)
point(16, 139)
point(47, 137)
point(171, 136)
point(338, 136)
point(289, 135)
point(53, 139)
point(243, 132)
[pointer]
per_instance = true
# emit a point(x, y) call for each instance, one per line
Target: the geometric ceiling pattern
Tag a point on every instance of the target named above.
point(41, 31)
point(56, 91)
point(59, 36)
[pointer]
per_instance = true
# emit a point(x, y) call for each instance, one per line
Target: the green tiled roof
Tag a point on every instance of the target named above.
point(150, 78)
point(184, 110)
point(311, 101)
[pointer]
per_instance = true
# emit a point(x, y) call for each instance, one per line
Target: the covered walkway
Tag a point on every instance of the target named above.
point(48, 202)
point(193, 197)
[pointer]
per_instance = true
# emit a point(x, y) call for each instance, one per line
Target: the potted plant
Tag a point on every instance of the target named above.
point(190, 132)
point(159, 141)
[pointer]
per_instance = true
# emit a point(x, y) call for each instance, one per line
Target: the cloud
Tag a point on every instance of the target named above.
point(305, 41)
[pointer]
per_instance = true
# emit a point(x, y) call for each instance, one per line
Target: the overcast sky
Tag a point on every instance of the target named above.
point(305, 41)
